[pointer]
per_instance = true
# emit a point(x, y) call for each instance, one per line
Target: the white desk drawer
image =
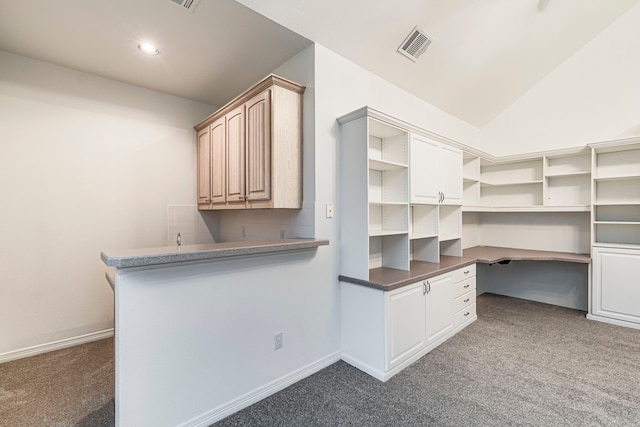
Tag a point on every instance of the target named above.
point(463, 315)
point(461, 288)
point(464, 273)
point(464, 300)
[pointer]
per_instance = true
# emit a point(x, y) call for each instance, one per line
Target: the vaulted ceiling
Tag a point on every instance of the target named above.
point(485, 53)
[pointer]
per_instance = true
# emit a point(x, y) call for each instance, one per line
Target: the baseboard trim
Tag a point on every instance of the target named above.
point(260, 393)
point(55, 345)
point(611, 321)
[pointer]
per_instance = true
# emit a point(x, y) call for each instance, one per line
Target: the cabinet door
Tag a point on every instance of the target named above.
point(451, 160)
point(439, 307)
point(204, 167)
point(616, 283)
point(425, 170)
point(235, 156)
point(405, 323)
point(218, 161)
point(258, 134)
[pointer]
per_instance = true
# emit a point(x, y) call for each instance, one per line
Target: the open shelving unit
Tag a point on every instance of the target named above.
point(543, 183)
point(616, 197)
point(380, 227)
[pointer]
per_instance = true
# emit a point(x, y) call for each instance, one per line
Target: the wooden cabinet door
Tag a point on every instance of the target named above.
point(405, 323)
point(218, 161)
point(258, 143)
point(451, 160)
point(235, 156)
point(616, 283)
point(204, 167)
point(425, 170)
point(439, 307)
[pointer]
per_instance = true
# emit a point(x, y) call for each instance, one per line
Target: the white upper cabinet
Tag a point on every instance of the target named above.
point(436, 172)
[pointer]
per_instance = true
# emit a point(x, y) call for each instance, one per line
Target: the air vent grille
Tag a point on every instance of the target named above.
point(415, 44)
point(189, 5)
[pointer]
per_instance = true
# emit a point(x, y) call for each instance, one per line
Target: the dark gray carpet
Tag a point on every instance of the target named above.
point(522, 363)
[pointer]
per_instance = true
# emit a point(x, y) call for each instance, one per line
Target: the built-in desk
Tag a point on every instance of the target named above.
point(558, 278)
point(493, 254)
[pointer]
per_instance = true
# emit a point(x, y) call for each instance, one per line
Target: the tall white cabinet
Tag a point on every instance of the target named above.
point(400, 210)
point(615, 296)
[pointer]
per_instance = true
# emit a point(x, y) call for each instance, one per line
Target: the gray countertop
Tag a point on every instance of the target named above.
point(492, 254)
point(186, 253)
point(387, 279)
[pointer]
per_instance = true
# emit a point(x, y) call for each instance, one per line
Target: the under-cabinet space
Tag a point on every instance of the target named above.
point(425, 249)
point(424, 221)
point(451, 247)
point(391, 251)
point(450, 220)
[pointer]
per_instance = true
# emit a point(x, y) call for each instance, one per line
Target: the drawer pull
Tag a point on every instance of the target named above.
point(466, 286)
point(466, 272)
point(466, 314)
point(467, 300)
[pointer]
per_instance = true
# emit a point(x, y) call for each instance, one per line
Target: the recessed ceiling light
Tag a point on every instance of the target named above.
point(148, 48)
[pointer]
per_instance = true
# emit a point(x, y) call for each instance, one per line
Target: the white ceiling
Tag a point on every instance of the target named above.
point(485, 54)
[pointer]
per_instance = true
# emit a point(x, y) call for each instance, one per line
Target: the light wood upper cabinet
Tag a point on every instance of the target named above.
point(217, 161)
point(204, 167)
point(254, 151)
point(235, 171)
point(259, 147)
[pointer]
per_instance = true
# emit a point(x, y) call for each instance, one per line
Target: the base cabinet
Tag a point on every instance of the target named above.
point(616, 285)
point(385, 331)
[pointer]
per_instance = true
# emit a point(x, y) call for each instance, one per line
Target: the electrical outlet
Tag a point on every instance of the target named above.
point(329, 210)
point(277, 341)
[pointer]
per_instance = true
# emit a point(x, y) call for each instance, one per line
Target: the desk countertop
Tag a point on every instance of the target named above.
point(492, 254)
point(186, 253)
point(387, 279)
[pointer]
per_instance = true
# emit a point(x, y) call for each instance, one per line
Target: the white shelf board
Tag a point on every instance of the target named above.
point(449, 238)
point(526, 208)
point(617, 222)
point(616, 178)
point(617, 203)
point(378, 233)
point(380, 203)
point(503, 184)
point(416, 236)
point(381, 165)
point(553, 175)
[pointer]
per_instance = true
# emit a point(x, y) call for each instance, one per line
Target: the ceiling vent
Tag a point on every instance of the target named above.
point(189, 5)
point(415, 44)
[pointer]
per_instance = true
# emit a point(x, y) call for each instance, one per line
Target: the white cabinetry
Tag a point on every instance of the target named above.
point(436, 172)
point(616, 285)
point(615, 214)
point(385, 331)
point(396, 207)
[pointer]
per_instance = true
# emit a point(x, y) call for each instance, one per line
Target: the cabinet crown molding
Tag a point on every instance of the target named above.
point(264, 84)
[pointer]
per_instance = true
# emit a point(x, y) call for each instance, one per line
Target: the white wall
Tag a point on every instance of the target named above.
point(593, 96)
point(87, 164)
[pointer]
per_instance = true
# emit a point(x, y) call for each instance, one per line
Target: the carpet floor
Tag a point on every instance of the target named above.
point(520, 364)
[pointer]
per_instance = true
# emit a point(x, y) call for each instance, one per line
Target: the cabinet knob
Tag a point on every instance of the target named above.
point(466, 272)
point(466, 314)
point(467, 300)
point(466, 286)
